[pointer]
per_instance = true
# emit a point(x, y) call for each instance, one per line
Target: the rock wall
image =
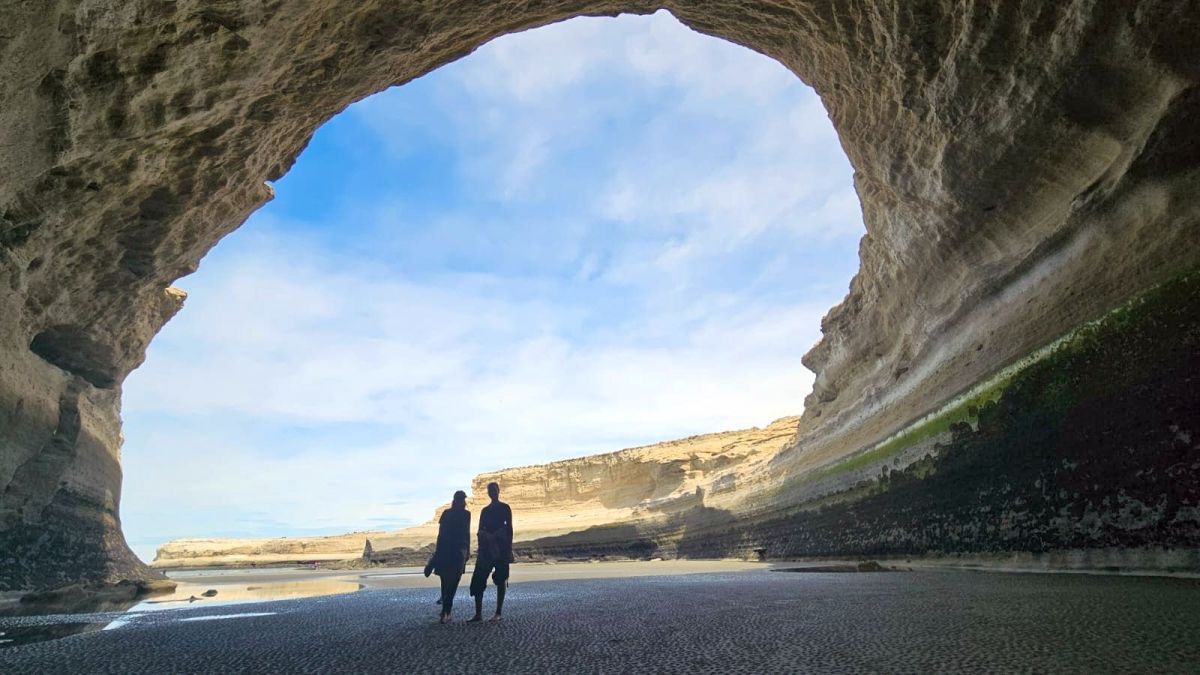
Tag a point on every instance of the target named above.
point(1023, 167)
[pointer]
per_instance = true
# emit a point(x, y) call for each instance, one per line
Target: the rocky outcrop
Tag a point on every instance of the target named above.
point(1023, 167)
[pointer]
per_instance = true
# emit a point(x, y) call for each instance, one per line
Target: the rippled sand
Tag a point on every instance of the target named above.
point(753, 621)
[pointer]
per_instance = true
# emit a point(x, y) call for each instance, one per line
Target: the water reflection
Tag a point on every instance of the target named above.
point(20, 630)
point(15, 636)
point(222, 617)
point(187, 594)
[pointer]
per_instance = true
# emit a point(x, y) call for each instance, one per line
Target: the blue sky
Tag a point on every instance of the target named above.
point(589, 236)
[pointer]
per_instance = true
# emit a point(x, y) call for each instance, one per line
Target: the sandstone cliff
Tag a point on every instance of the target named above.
point(635, 486)
point(207, 552)
point(1023, 167)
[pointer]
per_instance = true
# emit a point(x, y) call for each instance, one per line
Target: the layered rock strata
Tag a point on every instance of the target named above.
point(1023, 167)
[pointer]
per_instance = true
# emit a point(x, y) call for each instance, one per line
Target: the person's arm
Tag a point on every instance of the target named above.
point(510, 525)
point(466, 538)
point(441, 531)
point(437, 546)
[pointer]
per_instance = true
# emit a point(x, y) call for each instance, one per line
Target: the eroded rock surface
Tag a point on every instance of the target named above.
point(1023, 167)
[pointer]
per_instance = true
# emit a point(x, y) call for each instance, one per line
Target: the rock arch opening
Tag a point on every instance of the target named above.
point(602, 234)
point(1022, 170)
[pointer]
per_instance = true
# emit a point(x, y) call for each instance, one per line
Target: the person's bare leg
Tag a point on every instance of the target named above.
point(500, 589)
point(446, 598)
point(478, 608)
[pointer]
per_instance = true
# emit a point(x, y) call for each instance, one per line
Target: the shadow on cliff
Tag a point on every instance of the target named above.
point(601, 541)
point(706, 532)
point(695, 531)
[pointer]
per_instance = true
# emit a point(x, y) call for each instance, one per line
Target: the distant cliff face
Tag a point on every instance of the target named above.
point(637, 485)
point(211, 552)
point(1023, 168)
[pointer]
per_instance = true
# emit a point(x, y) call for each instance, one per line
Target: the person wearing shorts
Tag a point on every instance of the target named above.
point(495, 536)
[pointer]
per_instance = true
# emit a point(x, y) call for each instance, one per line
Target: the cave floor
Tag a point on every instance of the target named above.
point(753, 621)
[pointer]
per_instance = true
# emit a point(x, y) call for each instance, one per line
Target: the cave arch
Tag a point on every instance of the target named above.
point(1006, 157)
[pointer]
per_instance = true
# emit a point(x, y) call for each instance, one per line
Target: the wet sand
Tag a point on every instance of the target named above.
point(751, 621)
point(413, 577)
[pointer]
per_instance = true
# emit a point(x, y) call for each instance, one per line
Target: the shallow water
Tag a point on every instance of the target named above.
point(185, 596)
point(15, 636)
point(189, 594)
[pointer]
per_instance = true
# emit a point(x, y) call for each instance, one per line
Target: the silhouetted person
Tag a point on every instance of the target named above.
point(495, 551)
point(449, 559)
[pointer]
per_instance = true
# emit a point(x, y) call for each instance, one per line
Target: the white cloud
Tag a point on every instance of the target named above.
point(334, 344)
